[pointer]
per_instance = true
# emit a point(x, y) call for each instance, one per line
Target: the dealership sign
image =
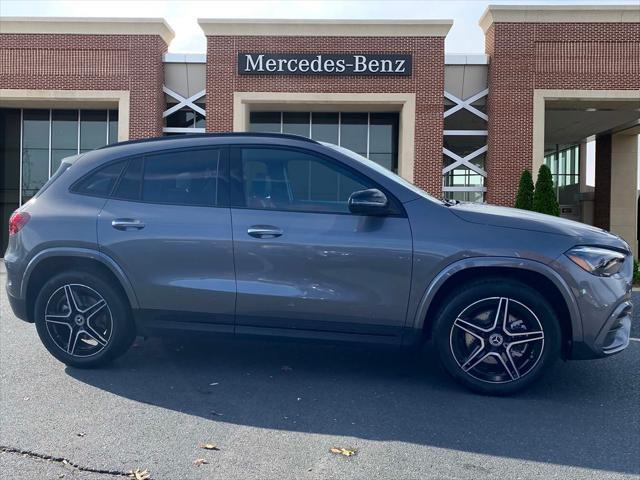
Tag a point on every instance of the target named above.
point(323, 64)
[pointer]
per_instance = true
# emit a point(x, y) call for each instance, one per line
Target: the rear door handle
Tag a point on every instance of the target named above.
point(264, 231)
point(127, 223)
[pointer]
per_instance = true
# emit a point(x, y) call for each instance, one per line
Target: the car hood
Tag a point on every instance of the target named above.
point(525, 220)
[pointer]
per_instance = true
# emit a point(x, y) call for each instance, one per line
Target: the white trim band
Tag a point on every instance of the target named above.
point(324, 28)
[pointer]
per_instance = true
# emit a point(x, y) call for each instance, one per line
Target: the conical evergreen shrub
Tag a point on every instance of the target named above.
point(544, 196)
point(524, 198)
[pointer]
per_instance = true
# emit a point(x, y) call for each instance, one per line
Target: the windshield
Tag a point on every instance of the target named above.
point(383, 171)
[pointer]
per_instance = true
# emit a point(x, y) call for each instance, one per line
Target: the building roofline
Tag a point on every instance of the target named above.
point(171, 57)
point(466, 59)
point(324, 27)
point(558, 14)
point(88, 26)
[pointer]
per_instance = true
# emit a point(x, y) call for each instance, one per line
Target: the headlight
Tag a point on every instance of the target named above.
point(598, 261)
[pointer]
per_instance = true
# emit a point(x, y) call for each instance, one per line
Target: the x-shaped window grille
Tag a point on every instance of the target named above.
point(183, 102)
point(466, 160)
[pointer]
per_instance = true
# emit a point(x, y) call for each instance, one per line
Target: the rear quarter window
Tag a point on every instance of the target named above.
point(100, 182)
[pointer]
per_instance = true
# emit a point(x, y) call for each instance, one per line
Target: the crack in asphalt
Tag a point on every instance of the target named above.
point(64, 461)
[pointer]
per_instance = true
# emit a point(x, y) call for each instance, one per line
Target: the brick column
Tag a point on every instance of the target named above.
point(602, 193)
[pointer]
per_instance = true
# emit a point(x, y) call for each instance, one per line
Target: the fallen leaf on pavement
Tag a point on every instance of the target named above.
point(343, 451)
point(199, 461)
point(209, 446)
point(138, 474)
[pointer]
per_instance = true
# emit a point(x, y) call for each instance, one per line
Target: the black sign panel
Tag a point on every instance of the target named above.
point(323, 64)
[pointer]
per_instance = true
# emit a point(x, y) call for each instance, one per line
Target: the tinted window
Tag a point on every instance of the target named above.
point(101, 182)
point(188, 177)
point(129, 185)
point(276, 179)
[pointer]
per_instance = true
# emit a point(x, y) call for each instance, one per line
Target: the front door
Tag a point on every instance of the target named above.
point(304, 264)
point(168, 225)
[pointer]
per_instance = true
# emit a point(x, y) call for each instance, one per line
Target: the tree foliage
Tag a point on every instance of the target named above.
point(524, 198)
point(544, 197)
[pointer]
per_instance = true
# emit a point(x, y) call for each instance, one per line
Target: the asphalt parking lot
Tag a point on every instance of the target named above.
point(276, 410)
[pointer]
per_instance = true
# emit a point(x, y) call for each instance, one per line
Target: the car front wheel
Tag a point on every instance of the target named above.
point(497, 336)
point(83, 320)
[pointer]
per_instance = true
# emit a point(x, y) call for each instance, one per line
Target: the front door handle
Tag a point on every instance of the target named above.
point(264, 231)
point(127, 223)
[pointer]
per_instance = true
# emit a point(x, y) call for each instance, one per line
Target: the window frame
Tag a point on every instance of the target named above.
point(222, 191)
point(236, 184)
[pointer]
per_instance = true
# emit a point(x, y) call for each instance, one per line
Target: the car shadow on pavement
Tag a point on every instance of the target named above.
point(568, 418)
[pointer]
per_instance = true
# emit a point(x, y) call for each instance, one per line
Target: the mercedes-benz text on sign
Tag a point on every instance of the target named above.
point(323, 64)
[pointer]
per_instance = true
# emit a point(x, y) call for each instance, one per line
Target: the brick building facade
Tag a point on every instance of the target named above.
point(460, 126)
point(426, 82)
point(555, 55)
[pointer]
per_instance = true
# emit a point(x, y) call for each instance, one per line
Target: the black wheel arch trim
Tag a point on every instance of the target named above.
point(85, 253)
point(515, 263)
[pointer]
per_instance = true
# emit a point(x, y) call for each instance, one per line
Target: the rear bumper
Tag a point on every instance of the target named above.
point(19, 307)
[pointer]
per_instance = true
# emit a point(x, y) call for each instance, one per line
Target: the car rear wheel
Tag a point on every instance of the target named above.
point(497, 336)
point(83, 320)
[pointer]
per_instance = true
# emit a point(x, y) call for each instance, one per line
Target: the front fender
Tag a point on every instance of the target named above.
point(83, 253)
point(502, 262)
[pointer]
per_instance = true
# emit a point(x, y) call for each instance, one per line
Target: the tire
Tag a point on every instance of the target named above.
point(83, 320)
point(483, 354)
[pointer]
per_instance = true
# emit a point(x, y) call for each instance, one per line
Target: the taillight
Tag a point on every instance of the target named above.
point(17, 221)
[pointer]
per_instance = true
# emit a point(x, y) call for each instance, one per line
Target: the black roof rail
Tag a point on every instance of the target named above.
point(213, 135)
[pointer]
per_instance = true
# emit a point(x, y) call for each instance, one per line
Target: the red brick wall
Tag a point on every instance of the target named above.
point(528, 56)
point(602, 191)
point(427, 82)
point(91, 62)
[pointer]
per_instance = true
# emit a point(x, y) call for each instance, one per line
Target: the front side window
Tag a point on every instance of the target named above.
point(186, 177)
point(279, 179)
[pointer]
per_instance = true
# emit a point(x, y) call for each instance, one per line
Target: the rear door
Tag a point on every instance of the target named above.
point(168, 225)
point(306, 266)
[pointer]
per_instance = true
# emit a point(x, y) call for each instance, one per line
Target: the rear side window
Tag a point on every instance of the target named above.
point(101, 182)
point(128, 187)
point(187, 177)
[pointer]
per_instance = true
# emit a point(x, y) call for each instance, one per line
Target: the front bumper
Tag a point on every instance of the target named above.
point(614, 336)
point(605, 310)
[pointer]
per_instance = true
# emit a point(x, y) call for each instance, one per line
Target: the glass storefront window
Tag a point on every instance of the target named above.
point(296, 123)
point(64, 136)
point(325, 126)
point(565, 170)
point(383, 138)
point(113, 126)
point(50, 135)
point(373, 135)
point(353, 132)
point(35, 151)
point(9, 169)
point(93, 129)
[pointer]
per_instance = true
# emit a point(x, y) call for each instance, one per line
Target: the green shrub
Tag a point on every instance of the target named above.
point(636, 273)
point(524, 198)
point(544, 197)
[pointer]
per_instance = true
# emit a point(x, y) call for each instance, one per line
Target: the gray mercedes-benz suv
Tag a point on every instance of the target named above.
point(260, 234)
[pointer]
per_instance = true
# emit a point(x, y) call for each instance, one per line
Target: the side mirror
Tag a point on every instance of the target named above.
point(368, 202)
